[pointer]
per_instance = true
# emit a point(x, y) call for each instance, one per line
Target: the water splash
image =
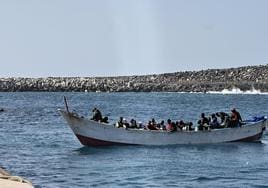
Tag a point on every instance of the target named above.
point(236, 90)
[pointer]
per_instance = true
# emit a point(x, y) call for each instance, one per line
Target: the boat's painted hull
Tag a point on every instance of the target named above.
point(92, 133)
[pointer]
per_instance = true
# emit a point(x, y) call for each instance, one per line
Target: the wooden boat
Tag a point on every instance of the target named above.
point(92, 133)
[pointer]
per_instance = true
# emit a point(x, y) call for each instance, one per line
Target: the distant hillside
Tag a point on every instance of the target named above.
point(188, 81)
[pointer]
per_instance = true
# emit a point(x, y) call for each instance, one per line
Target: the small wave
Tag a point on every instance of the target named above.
point(260, 185)
point(203, 178)
point(236, 90)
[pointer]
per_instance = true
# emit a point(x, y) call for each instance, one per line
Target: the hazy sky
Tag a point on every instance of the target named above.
point(129, 37)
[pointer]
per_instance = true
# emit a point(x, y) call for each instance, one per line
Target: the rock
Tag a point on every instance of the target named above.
point(9, 181)
point(198, 81)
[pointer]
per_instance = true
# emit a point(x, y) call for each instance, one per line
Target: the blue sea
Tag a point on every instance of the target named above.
point(36, 143)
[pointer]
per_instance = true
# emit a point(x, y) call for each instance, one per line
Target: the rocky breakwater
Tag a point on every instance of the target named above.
point(188, 81)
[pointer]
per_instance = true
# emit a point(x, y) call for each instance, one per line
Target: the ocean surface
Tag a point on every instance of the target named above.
point(36, 143)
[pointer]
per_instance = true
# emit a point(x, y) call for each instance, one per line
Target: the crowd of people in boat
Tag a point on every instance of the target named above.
point(220, 120)
point(214, 121)
point(153, 125)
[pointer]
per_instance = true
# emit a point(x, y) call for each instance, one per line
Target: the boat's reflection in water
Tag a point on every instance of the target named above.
point(219, 147)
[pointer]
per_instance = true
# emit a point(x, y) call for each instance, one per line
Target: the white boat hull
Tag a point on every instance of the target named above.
point(92, 133)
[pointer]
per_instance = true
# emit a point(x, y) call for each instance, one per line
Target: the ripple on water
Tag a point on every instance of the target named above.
point(37, 144)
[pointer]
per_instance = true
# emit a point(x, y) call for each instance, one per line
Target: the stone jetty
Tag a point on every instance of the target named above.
point(244, 78)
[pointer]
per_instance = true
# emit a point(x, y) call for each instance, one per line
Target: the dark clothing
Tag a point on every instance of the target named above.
point(236, 119)
point(189, 124)
point(203, 120)
point(214, 122)
point(151, 127)
point(203, 123)
point(174, 127)
point(105, 120)
point(133, 124)
point(96, 115)
point(180, 124)
point(120, 122)
point(223, 116)
point(239, 116)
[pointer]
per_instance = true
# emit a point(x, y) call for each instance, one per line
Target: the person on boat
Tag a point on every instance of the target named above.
point(171, 126)
point(236, 119)
point(125, 123)
point(185, 125)
point(162, 125)
point(96, 115)
point(180, 124)
point(151, 126)
point(154, 122)
point(105, 120)
point(203, 123)
point(224, 118)
point(133, 124)
point(140, 125)
point(189, 125)
point(214, 124)
point(120, 122)
point(174, 126)
point(158, 125)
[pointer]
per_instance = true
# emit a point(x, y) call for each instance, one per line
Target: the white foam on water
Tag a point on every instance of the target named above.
point(236, 90)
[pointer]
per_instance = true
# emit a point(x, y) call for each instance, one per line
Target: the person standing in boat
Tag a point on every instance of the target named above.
point(96, 115)
point(236, 119)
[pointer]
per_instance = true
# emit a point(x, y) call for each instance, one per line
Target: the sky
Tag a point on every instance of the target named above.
point(42, 38)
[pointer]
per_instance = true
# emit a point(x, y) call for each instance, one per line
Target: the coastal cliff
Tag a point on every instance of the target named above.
point(244, 78)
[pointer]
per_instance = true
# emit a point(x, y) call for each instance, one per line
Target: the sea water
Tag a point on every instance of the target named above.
point(36, 143)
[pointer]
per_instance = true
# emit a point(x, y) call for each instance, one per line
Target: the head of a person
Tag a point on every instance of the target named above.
point(202, 115)
point(233, 110)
